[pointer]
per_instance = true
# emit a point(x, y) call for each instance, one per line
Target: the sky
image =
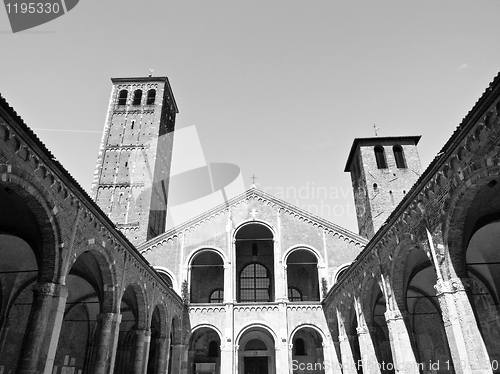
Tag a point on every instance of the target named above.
point(278, 88)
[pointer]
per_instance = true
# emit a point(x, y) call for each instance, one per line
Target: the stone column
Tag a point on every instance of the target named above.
point(401, 347)
point(332, 366)
point(43, 329)
point(466, 344)
point(178, 356)
point(348, 363)
point(105, 348)
point(140, 342)
point(368, 356)
point(163, 353)
point(184, 357)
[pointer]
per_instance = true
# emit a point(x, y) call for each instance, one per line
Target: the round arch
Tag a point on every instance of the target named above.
point(458, 224)
point(247, 222)
point(170, 274)
point(339, 271)
point(305, 247)
point(208, 326)
point(35, 199)
point(254, 325)
point(198, 250)
point(142, 306)
point(306, 325)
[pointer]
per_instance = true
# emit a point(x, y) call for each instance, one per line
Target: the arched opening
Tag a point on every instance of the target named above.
point(483, 266)
point(256, 353)
point(166, 277)
point(399, 156)
point(75, 349)
point(154, 348)
point(302, 274)
point(207, 273)
point(18, 275)
point(473, 244)
point(122, 97)
point(424, 314)
point(21, 266)
point(254, 264)
point(137, 97)
point(151, 97)
point(380, 157)
point(307, 351)
point(340, 273)
point(205, 351)
point(129, 325)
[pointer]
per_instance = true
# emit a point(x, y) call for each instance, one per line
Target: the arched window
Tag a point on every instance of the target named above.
point(255, 284)
point(207, 276)
point(217, 296)
point(300, 347)
point(151, 97)
point(166, 278)
point(294, 294)
point(302, 274)
point(380, 157)
point(137, 97)
point(122, 97)
point(399, 156)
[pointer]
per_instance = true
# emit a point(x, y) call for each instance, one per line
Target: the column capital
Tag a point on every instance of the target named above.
point(452, 285)
point(393, 315)
point(50, 289)
point(109, 317)
point(364, 330)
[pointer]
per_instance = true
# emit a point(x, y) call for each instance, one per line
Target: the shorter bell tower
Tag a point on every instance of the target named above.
point(383, 170)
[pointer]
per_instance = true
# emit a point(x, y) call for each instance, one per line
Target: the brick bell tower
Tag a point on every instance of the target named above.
point(383, 170)
point(133, 167)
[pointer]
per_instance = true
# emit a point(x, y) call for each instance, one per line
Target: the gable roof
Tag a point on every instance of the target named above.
point(256, 194)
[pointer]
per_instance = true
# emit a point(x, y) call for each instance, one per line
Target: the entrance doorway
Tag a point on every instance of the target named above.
point(257, 354)
point(255, 365)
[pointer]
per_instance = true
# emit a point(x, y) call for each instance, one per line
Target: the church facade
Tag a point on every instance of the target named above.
point(96, 284)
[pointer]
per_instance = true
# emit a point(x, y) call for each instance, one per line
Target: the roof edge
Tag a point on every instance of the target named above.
point(375, 139)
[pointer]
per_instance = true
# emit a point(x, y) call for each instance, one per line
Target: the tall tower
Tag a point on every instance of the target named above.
point(131, 178)
point(383, 169)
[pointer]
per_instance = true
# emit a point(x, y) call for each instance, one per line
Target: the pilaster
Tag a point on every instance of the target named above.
point(368, 356)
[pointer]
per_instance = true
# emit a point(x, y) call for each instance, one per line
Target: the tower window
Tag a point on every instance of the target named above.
point(122, 97)
point(137, 97)
point(399, 156)
point(380, 157)
point(151, 97)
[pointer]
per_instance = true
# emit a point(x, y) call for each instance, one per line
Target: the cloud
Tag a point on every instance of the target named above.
point(462, 67)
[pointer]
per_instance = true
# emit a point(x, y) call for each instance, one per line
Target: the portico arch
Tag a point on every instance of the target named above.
point(256, 352)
